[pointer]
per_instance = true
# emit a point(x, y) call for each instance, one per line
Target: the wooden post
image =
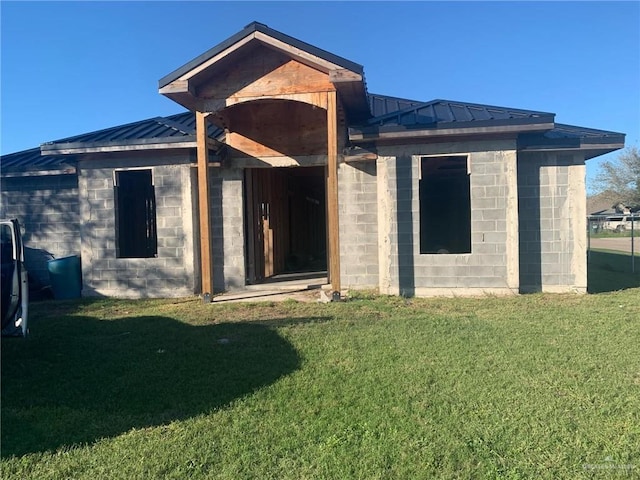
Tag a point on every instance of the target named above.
point(332, 191)
point(252, 215)
point(204, 201)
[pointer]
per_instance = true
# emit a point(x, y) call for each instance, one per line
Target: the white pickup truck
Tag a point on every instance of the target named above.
point(14, 302)
point(621, 223)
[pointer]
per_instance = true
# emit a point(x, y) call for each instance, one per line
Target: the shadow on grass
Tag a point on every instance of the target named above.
point(610, 271)
point(78, 379)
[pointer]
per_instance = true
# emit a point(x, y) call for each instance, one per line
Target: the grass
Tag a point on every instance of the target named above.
point(535, 386)
point(609, 270)
point(614, 234)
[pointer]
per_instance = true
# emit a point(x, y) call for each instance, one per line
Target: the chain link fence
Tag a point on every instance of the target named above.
point(618, 234)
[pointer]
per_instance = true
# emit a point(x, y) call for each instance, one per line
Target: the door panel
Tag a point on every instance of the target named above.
point(286, 221)
point(14, 299)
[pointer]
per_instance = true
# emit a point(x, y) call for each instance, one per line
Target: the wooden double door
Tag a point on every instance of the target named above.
point(286, 221)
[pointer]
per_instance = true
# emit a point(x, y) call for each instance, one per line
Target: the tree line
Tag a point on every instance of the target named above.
point(621, 178)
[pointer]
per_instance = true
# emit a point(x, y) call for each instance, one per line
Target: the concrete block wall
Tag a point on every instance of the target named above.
point(171, 273)
point(552, 207)
point(492, 265)
point(47, 207)
point(227, 226)
point(358, 210)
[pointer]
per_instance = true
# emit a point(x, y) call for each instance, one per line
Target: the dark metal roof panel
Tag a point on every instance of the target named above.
point(570, 131)
point(153, 130)
point(259, 27)
point(382, 104)
point(445, 111)
point(32, 160)
point(179, 125)
point(445, 115)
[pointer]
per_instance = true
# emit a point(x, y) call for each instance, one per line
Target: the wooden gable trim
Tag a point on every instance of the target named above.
point(213, 60)
point(290, 80)
point(294, 52)
point(184, 85)
point(218, 82)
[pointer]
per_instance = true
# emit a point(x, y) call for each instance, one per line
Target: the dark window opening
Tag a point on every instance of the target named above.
point(445, 205)
point(135, 202)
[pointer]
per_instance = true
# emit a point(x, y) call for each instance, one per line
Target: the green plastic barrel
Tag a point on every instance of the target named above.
point(66, 277)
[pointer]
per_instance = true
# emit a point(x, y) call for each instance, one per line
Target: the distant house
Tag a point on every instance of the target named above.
point(607, 214)
point(602, 203)
point(285, 162)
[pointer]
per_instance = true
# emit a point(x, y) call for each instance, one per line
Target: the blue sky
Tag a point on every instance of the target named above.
point(74, 67)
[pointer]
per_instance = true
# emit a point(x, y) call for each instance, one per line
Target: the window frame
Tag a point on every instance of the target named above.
point(430, 244)
point(143, 241)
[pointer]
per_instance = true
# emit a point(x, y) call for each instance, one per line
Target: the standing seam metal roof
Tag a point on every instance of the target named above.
point(160, 129)
point(446, 111)
point(407, 113)
point(570, 131)
point(382, 104)
point(179, 125)
point(32, 160)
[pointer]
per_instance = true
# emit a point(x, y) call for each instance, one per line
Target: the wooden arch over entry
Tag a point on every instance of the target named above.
point(268, 128)
point(275, 97)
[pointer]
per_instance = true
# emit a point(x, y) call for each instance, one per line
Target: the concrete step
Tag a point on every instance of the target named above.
point(268, 296)
point(295, 283)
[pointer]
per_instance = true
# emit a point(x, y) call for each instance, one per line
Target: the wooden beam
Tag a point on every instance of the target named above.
point(206, 266)
point(179, 86)
point(344, 75)
point(319, 99)
point(252, 79)
point(359, 153)
point(252, 221)
point(361, 157)
point(333, 224)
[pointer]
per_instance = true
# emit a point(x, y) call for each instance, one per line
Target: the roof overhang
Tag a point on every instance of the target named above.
point(183, 142)
point(590, 151)
point(568, 138)
point(31, 163)
point(40, 173)
point(513, 127)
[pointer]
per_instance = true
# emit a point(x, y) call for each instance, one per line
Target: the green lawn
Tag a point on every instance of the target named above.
point(610, 270)
point(534, 386)
point(614, 234)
